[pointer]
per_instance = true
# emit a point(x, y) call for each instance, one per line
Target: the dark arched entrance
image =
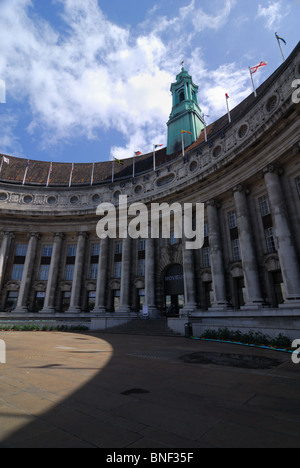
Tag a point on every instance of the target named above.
point(174, 289)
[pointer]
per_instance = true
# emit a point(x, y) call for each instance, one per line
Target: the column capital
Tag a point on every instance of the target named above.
point(213, 202)
point(35, 235)
point(240, 188)
point(271, 168)
point(9, 234)
point(59, 235)
point(83, 234)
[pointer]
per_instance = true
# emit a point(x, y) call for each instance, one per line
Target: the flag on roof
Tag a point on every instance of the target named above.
point(119, 161)
point(6, 160)
point(137, 153)
point(280, 38)
point(157, 146)
point(184, 131)
point(227, 96)
point(257, 67)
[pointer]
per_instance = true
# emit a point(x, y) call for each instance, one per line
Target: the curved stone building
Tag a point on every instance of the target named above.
point(246, 276)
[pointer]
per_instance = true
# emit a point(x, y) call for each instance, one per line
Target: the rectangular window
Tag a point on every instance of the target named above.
point(47, 251)
point(72, 249)
point(69, 274)
point(236, 251)
point(205, 229)
point(173, 239)
point(264, 206)
point(270, 240)
point(93, 274)
point(21, 250)
point(44, 272)
point(141, 267)
point(17, 272)
point(142, 245)
point(118, 247)
point(117, 269)
point(95, 250)
point(232, 221)
point(206, 257)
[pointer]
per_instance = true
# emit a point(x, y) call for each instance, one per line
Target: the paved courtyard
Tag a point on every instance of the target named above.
point(122, 391)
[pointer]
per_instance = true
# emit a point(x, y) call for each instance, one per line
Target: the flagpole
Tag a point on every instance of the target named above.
point(254, 89)
point(278, 40)
point(49, 174)
point(154, 159)
point(25, 174)
point(70, 181)
point(113, 172)
point(133, 167)
point(182, 142)
point(228, 111)
point(1, 167)
point(92, 175)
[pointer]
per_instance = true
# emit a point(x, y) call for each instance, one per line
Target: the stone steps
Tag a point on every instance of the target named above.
point(147, 327)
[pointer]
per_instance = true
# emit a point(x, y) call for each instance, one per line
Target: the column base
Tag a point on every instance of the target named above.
point(73, 311)
point(100, 311)
point(20, 311)
point(219, 306)
point(290, 303)
point(153, 313)
point(188, 310)
point(48, 311)
point(254, 305)
point(124, 311)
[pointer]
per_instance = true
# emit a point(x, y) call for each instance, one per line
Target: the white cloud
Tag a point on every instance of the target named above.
point(98, 75)
point(274, 13)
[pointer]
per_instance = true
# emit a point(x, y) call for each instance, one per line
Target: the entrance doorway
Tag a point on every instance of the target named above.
point(174, 290)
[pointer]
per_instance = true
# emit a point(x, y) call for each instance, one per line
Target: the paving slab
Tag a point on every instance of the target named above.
point(94, 390)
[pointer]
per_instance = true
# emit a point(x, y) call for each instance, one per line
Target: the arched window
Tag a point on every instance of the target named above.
point(181, 96)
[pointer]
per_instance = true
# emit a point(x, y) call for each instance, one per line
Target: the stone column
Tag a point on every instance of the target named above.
point(217, 265)
point(250, 269)
point(6, 241)
point(49, 304)
point(78, 272)
point(125, 278)
point(22, 303)
point(102, 277)
point(287, 253)
point(150, 302)
point(189, 281)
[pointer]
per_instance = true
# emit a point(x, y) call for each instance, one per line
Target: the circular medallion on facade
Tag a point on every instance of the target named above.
point(3, 196)
point(74, 200)
point(243, 130)
point(28, 199)
point(272, 103)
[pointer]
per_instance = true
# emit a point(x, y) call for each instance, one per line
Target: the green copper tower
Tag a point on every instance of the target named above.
point(186, 113)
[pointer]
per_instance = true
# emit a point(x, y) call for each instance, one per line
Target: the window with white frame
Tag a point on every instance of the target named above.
point(72, 249)
point(47, 250)
point(69, 273)
point(95, 249)
point(118, 247)
point(264, 206)
point(141, 267)
point(21, 250)
point(270, 240)
point(117, 269)
point(206, 257)
point(44, 272)
point(142, 245)
point(93, 273)
point(17, 272)
point(236, 251)
point(232, 220)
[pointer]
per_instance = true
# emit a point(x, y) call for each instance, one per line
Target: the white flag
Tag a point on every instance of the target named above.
point(6, 160)
point(2, 92)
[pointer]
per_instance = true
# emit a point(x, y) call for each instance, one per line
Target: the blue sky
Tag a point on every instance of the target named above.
point(89, 80)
